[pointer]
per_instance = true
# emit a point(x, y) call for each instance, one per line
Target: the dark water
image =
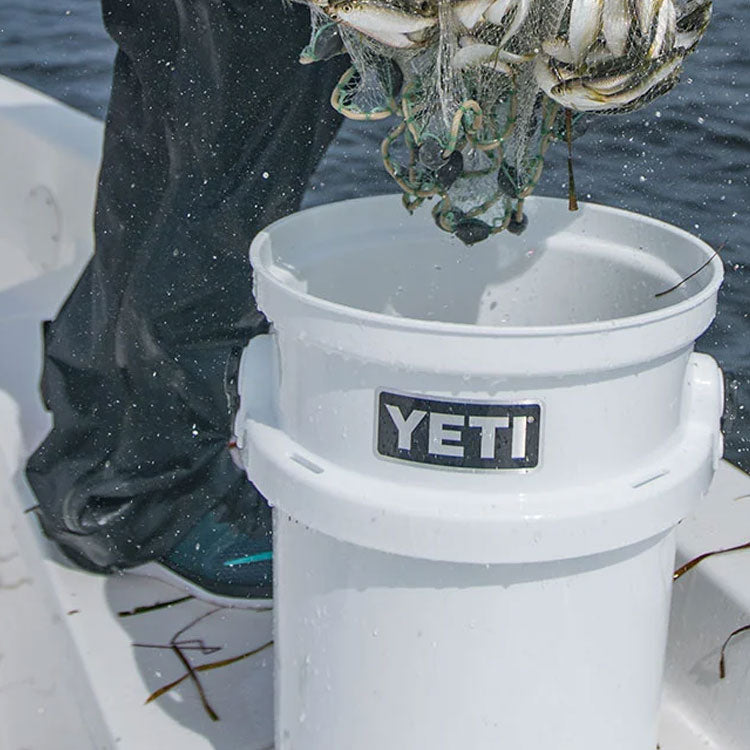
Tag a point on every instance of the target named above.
point(684, 159)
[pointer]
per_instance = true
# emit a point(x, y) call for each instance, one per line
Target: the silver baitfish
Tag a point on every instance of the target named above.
point(663, 29)
point(479, 89)
point(396, 24)
point(469, 13)
point(474, 54)
point(692, 24)
point(612, 88)
point(509, 14)
point(584, 27)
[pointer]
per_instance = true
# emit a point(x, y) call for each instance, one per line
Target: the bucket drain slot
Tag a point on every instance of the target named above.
point(650, 479)
point(309, 465)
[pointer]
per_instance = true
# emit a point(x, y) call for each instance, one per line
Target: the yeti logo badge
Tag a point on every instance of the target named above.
point(457, 433)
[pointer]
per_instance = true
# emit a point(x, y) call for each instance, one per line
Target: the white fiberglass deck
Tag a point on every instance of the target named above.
point(70, 674)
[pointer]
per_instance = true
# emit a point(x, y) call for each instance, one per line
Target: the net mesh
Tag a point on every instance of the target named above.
point(479, 89)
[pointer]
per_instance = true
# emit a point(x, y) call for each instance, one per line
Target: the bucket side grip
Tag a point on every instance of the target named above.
point(257, 380)
point(704, 399)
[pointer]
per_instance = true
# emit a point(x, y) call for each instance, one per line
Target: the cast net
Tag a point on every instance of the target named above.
point(479, 89)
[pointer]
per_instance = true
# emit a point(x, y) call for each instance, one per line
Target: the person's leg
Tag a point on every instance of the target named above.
point(212, 132)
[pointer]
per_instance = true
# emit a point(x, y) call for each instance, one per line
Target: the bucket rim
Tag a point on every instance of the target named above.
point(356, 315)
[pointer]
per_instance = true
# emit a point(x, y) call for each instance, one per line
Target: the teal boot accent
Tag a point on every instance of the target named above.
point(218, 557)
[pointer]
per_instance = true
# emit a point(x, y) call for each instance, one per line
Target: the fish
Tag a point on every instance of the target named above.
point(469, 12)
point(559, 49)
point(645, 96)
point(645, 11)
point(487, 56)
point(603, 87)
point(498, 10)
point(395, 24)
point(616, 20)
point(549, 74)
point(584, 26)
point(613, 88)
point(692, 24)
point(510, 12)
point(472, 53)
point(610, 76)
point(663, 30)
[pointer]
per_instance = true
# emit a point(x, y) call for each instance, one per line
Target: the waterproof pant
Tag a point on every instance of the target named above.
point(212, 132)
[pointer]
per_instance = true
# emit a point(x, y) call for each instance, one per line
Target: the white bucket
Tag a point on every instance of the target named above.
point(477, 457)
